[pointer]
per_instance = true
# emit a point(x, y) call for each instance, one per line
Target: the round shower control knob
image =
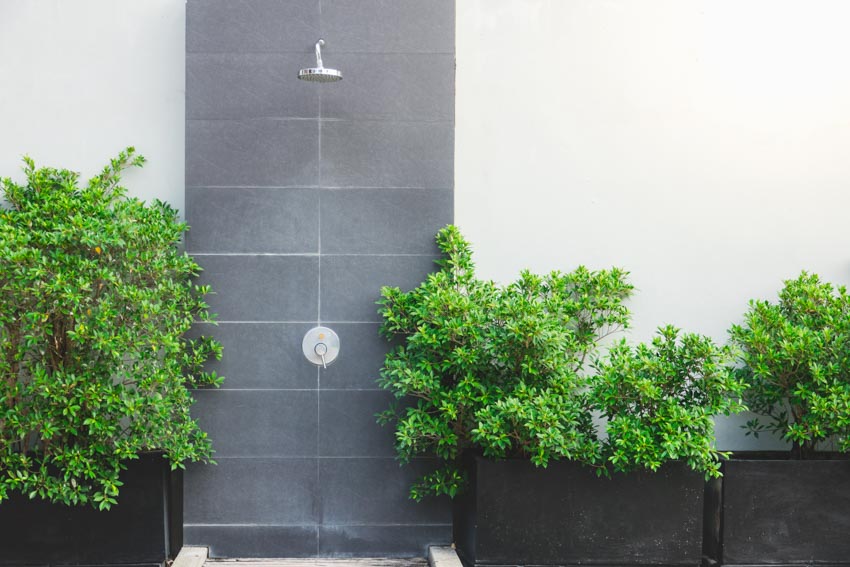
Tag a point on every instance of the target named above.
point(320, 346)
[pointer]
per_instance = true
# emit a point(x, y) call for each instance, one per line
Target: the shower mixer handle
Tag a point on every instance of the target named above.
point(320, 346)
point(322, 349)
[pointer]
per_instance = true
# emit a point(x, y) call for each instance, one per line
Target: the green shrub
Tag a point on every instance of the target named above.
point(94, 301)
point(660, 400)
point(796, 360)
point(515, 371)
point(496, 370)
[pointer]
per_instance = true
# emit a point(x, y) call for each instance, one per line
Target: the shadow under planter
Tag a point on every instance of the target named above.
point(514, 513)
point(145, 528)
point(769, 510)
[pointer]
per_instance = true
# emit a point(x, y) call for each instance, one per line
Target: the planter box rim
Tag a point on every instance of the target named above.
point(786, 456)
point(554, 462)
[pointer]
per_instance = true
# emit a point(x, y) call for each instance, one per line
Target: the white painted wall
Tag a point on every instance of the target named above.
point(82, 79)
point(703, 145)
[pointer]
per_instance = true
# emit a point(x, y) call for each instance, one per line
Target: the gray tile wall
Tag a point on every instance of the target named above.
point(303, 200)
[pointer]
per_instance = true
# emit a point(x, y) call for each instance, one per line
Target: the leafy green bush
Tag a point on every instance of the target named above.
point(796, 360)
point(496, 369)
point(660, 399)
point(94, 301)
point(508, 371)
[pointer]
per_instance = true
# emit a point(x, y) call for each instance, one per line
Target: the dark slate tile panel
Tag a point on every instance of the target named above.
point(252, 25)
point(348, 427)
point(248, 85)
point(381, 541)
point(391, 86)
point(259, 423)
point(253, 169)
point(388, 26)
point(252, 153)
point(384, 221)
point(387, 154)
point(252, 219)
point(352, 284)
point(361, 357)
point(254, 541)
point(376, 491)
point(261, 355)
point(252, 491)
point(261, 288)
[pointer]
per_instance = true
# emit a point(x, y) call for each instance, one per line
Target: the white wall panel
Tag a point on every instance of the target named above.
point(82, 79)
point(703, 145)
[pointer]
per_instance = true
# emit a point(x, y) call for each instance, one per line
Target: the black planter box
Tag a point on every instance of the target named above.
point(145, 528)
point(781, 512)
point(514, 513)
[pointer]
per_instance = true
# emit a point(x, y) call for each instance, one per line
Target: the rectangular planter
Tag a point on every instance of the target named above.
point(514, 513)
point(145, 528)
point(782, 512)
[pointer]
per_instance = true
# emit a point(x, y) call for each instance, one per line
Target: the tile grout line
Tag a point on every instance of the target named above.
point(317, 524)
point(444, 121)
point(319, 257)
point(311, 254)
point(318, 502)
point(319, 194)
point(305, 187)
point(325, 458)
point(318, 499)
point(310, 322)
point(300, 52)
point(288, 390)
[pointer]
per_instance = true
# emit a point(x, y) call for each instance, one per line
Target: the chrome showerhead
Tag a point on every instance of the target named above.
point(319, 73)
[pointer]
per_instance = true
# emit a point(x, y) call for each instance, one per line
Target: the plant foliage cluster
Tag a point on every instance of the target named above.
point(515, 371)
point(660, 399)
point(96, 367)
point(796, 360)
point(95, 298)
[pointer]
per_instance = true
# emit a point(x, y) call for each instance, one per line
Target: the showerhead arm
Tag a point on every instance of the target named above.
point(319, 45)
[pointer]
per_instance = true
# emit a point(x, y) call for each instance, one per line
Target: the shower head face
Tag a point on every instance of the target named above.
point(320, 75)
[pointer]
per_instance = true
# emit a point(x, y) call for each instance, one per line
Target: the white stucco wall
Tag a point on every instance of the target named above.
point(82, 79)
point(703, 145)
